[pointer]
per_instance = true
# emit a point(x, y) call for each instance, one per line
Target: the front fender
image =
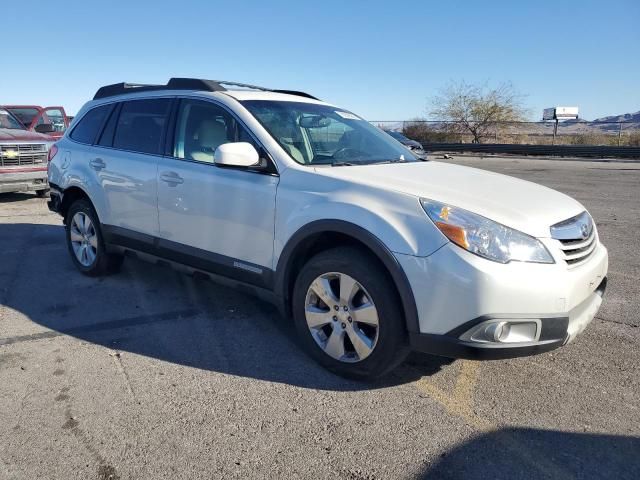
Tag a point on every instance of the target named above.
point(397, 219)
point(384, 221)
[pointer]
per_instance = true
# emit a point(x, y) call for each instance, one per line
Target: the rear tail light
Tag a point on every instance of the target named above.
point(52, 152)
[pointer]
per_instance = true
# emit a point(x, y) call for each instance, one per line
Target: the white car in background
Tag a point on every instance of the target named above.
point(372, 251)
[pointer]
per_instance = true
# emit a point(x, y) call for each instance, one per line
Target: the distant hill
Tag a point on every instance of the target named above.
point(626, 117)
point(605, 124)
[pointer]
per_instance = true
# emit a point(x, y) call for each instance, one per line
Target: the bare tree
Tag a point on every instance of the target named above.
point(476, 109)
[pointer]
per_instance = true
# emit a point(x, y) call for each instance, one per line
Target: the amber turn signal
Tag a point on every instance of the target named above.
point(454, 233)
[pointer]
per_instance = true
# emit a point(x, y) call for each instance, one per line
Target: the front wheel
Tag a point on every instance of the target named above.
point(348, 315)
point(85, 242)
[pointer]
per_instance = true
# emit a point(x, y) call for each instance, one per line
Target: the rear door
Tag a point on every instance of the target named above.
point(124, 161)
point(219, 218)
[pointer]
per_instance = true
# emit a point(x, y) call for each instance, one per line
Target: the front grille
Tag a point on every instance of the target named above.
point(577, 237)
point(22, 154)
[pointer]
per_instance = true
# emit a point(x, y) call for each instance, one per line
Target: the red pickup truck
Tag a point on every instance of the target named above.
point(51, 121)
point(23, 157)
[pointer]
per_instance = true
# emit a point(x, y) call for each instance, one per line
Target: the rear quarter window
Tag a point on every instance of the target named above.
point(88, 127)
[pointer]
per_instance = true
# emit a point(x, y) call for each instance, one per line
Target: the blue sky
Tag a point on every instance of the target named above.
point(382, 60)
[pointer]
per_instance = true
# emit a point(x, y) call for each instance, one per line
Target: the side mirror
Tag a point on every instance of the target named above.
point(44, 128)
point(238, 154)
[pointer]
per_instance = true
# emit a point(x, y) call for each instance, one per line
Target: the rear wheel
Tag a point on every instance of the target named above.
point(85, 241)
point(348, 315)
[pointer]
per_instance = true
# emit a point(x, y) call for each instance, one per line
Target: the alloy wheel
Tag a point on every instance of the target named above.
point(84, 239)
point(341, 316)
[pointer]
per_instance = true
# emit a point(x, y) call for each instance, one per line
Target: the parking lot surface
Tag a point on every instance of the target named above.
point(154, 374)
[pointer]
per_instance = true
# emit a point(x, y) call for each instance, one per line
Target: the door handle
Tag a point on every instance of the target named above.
point(171, 178)
point(97, 164)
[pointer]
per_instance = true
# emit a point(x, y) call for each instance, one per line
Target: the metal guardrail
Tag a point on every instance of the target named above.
point(553, 150)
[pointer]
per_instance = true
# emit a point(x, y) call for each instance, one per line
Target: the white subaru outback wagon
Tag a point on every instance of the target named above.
point(371, 251)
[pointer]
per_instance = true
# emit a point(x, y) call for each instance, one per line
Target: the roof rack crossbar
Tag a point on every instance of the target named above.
point(185, 84)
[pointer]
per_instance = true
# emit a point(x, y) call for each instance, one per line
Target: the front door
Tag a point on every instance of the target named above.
point(220, 219)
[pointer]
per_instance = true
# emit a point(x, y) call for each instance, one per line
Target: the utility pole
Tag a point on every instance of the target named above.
point(619, 132)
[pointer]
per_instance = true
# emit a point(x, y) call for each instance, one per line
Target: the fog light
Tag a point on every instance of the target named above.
point(504, 331)
point(497, 332)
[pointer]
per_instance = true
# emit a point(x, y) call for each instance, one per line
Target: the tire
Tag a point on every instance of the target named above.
point(385, 346)
point(42, 193)
point(96, 261)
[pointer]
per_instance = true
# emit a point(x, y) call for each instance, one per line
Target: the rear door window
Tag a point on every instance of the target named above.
point(141, 125)
point(88, 127)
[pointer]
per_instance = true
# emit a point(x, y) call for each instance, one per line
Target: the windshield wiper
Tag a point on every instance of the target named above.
point(391, 160)
point(343, 164)
point(373, 162)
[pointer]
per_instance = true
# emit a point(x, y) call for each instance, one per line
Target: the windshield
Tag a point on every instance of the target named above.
point(9, 121)
point(319, 134)
point(25, 115)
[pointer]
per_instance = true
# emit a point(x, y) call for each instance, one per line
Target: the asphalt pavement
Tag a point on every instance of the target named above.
point(155, 374)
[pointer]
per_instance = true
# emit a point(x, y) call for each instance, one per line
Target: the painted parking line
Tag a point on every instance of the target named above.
point(459, 402)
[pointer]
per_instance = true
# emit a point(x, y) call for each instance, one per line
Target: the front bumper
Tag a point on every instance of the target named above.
point(555, 332)
point(23, 179)
point(453, 286)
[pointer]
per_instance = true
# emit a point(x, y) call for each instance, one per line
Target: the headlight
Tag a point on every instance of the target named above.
point(484, 237)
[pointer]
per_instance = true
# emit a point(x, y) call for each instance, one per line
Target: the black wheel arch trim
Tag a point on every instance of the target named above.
point(283, 272)
point(57, 195)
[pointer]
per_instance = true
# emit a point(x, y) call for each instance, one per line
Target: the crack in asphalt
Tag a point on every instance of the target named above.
point(617, 322)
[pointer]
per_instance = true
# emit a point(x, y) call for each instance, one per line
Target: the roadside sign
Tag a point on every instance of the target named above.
point(560, 113)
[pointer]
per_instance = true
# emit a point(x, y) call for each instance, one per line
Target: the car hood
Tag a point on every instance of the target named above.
point(12, 135)
point(525, 206)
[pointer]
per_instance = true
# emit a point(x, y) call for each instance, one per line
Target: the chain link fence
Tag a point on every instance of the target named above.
point(579, 132)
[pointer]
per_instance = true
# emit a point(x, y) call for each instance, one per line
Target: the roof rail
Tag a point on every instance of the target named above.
point(295, 92)
point(184, 84)
point(121, 88)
